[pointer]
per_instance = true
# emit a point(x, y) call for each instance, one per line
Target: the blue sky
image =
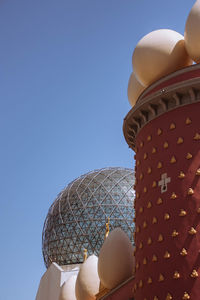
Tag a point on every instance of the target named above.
point(64, 70)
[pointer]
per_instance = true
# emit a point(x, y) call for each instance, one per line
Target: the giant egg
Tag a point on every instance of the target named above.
point(87, 283)
point(158, 54)
point(116, 260)
point(192, 32)
point(135, 88)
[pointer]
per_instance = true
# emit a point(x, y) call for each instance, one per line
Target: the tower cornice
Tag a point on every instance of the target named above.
point(174, 90)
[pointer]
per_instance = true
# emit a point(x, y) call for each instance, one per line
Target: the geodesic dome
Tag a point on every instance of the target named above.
point(76, 219)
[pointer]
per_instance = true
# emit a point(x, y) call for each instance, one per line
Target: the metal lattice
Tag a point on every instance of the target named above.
point(76, 219)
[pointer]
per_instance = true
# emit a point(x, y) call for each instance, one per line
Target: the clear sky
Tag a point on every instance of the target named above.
point(64, 70)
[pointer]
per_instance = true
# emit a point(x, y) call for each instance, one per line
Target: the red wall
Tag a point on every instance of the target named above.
point(125, 292)
point(155, 279)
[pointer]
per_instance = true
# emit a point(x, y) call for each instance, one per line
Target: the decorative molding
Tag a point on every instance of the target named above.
point(151, 104)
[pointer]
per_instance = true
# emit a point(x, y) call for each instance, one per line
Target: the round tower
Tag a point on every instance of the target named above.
point(163, 129)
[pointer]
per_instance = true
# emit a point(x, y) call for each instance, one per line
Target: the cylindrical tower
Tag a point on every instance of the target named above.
point(164, 130)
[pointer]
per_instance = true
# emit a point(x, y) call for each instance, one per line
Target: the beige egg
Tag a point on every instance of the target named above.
point(135, 88)
point(158, 54)
point(87, 283)
point(116, 259)
point(67, 291)
point(192, 32)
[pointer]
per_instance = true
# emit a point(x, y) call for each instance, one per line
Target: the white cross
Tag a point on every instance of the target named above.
point(163, 182)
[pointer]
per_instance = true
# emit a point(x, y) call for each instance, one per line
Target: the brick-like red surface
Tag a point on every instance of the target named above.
point(166, 267)
point(125, 292)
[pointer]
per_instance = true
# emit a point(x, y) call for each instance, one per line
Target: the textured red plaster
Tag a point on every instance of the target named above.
point(166, 267)
point(125, 292)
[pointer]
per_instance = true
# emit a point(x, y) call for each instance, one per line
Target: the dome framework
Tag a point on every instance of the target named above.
point(76, 219)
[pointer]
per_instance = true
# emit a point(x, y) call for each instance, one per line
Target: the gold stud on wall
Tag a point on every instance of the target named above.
point(145, 224)
point(169, 297)
point(176, 275)
point(137, 266)
point(190, 191)
point(154, 221)
point(137, 195)
point(155, 298)
point(160, 238)
point(154, 258)
point(166, 217)
point(188, 156)
point(181, 175)
point(153, 150)
point(192, 231)
point(198, 172)
point(149, 242)
point(149, 170)
point(145, 155)
point(136, 149)
point(194, 274)
point(141, 176)
point(159, 201)
point(182, 213)
point(175, 233)
point(140, 246)
point(137, 162)
point(173, 160)
point(137, 229)
point(172, 126)
point(161, 278)
point(173, 196)
point(167, 255)
point(144, 261)
point(145, 189)
point(159, 166)
point(188, 121)
point(141, 209)
point(149, 281)
point(149, 205)
point(140, 284)
point(186, 296)
point(154, 184)
point(159, 132)
point(149, 138)
point(141, 144)
point(198, 210)
point(197, 137)
point(183, 252)
point(165, 145)
point(180, 140)
point(135, 286)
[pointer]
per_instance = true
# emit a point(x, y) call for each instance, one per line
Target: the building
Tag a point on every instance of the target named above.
point(163, 129)
point(76, 221)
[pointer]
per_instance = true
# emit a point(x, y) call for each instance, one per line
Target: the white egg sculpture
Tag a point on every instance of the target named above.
point(158, 54)
point(87, 283)
point(67, 291)
point(116, 260)
point(135, 89)
point(192, 32)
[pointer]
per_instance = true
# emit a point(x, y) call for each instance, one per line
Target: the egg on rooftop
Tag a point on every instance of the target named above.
point(116, 259)
point(192, 32)
point(158, 54)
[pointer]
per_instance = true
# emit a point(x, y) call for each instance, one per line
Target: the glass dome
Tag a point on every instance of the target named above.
point(76, 219)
